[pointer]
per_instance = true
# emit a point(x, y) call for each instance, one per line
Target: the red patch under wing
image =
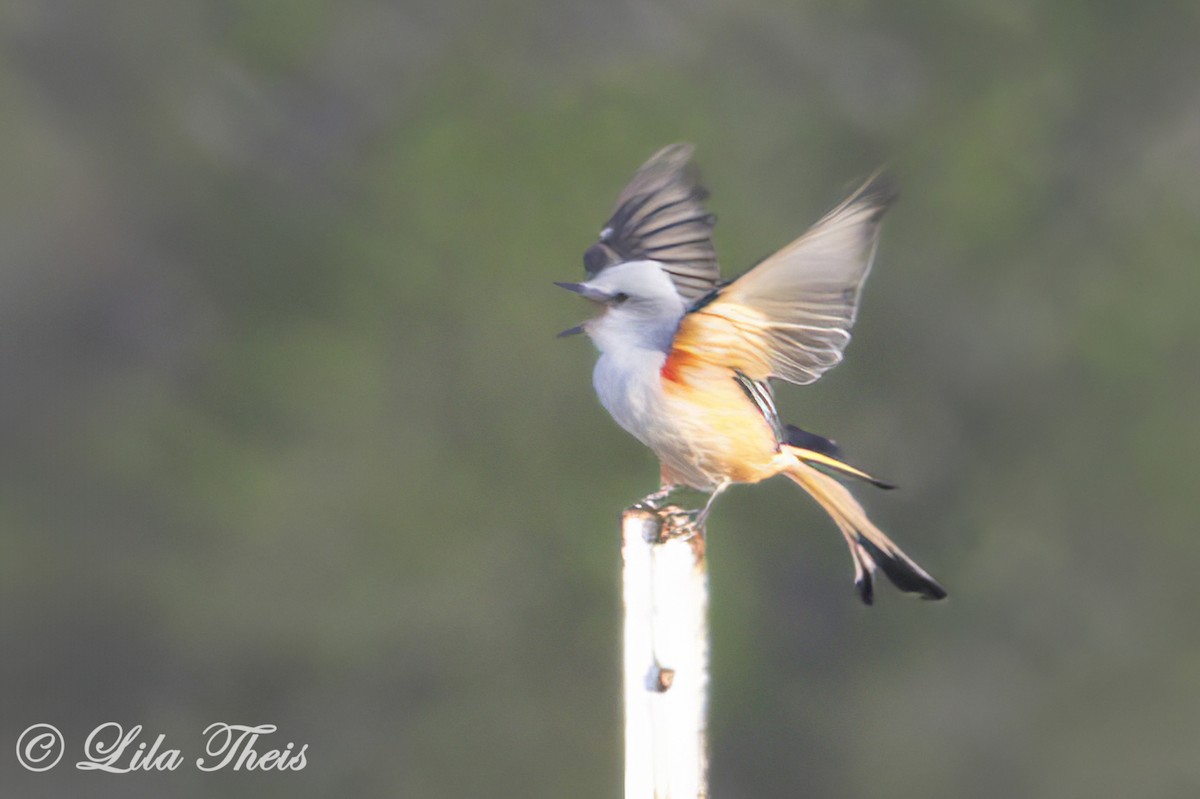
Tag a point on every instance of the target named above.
point(677, 363)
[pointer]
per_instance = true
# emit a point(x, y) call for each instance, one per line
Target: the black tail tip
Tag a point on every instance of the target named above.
point(934, 591)
point(865, 586)
point(904, 574)
point(927, 589)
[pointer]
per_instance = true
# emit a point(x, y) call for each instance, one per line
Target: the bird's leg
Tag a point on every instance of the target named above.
point(654, 501)
point(724, 484)
point(667, 485)
point(695, 519)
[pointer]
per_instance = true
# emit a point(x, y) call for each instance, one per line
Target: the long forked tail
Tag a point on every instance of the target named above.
point(869, 547)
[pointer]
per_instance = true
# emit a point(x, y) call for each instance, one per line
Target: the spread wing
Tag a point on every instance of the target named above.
point(660, 216)
point(790, 316)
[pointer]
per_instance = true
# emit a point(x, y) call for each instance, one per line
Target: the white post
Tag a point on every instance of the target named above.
point(665, 580)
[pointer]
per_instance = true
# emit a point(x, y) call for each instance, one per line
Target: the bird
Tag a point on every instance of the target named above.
point(686, 359)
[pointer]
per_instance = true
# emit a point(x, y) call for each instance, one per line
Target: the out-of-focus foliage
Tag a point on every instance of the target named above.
point(286, 436)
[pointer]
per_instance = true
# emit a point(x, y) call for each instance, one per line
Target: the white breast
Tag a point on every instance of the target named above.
point(629, 385)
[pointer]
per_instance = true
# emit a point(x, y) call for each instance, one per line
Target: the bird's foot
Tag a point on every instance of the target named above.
point(681, 524)
point(653, 502)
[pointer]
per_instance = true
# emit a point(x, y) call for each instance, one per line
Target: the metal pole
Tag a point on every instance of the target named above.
point(665, 582)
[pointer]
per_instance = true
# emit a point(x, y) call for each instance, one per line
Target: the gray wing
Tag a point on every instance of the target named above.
point(660, 216)
point(759, 392)
point(790, 316)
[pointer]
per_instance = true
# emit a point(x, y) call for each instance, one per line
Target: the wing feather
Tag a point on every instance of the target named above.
point(660, 216)
point(790, 316)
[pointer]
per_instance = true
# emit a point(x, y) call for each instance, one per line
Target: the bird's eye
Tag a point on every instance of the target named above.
point(619, 298)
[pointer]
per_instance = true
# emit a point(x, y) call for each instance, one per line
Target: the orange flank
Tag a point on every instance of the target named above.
point(732, 338)
point(721, 432)
point(676, 365)
point(691, 351)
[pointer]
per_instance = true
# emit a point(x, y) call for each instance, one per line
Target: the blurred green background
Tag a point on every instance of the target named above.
point(286, 436)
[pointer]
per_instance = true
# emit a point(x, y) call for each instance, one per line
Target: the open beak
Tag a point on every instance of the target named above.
point(588, 293)
point(585, 291)
point(571, 331)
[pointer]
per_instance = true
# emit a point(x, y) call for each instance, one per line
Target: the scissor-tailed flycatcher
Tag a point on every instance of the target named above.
point(685, 357)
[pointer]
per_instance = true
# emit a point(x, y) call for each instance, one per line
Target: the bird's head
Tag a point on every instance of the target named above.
point(639, 307)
